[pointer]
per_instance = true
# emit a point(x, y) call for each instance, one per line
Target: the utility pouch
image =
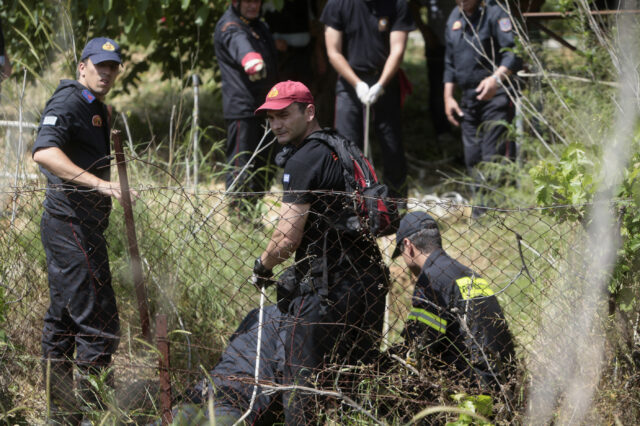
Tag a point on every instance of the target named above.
point(286, 288)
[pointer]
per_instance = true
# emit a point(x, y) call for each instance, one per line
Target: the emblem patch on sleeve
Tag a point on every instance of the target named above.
point(96, 120)
point(88, 96)
point(49, 120)
point(456, 26)
point(505, 24)
point(285, 178)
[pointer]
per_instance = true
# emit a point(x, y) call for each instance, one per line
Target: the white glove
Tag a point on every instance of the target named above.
point(362, 90)
point(374, 93)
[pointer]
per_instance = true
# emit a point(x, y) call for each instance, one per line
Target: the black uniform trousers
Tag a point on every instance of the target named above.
point(435, 71)
point(82, 316)
point(243, 136)
point(385, 115)
point(346, 329)
point(483, 136)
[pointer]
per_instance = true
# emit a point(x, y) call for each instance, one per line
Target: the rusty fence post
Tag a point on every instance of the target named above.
point(165, 379)
point(134, 253)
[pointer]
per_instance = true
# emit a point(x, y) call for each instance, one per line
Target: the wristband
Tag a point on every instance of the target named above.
point(260, 270)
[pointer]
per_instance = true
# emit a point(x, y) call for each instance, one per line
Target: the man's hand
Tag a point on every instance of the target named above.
point(452, 110)
point(362, 90)
point(253, 65)
point(112, 189)
point(487, 88)
point(374, 93)
point(261, 275)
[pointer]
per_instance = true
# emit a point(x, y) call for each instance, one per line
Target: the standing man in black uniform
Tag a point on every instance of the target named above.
point(455, 316)
point(338, 304)
point(366, 40)
point(477, 62)
point(73, 151)
point(247, 59)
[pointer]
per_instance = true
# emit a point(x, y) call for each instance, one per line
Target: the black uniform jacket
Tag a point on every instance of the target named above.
point(234, 38)
point(75, 121)
point(477, 45)
point(456, 316)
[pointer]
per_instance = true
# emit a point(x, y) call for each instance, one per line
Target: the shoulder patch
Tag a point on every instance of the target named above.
point(286, 178)
point(456, 25)
point(226, 26)
point(49, 120)
point(88, 95)
point(505, 24)
point(96, 120)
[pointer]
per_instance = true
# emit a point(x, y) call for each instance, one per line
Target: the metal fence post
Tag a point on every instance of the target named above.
point(136, 264)
point(165, 379)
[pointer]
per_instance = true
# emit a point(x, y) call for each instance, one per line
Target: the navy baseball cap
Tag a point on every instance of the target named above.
point(411, 223)
point(101, 49)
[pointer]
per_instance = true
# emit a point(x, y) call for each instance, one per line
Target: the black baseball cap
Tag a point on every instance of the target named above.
point(411, 223)
point(101, 49)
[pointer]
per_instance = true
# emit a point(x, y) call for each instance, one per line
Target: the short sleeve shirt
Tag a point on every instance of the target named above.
point(76, 122)
point(312, 175)
point(366, 27)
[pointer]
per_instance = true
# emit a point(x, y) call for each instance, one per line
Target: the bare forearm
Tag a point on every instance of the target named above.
point(333, 40)
point(287, 235)
point(448, 90)
point(55, 161)
point(398, 41)
point(278, 250)
point(391, 67)
point(342, 67)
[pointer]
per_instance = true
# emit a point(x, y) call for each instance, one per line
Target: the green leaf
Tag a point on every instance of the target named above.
point(202, 15)
point(185, 4)
point(107, 5)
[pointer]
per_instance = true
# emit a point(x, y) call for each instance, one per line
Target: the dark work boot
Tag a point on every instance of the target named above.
point(62, 404)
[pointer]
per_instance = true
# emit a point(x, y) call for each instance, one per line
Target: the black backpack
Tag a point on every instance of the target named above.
point(373, 208)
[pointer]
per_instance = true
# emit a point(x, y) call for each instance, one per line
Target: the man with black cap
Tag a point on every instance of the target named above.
point(337, 298)
point(73, 151)
point(455, 319)
point(366, 40)
point(246, 55)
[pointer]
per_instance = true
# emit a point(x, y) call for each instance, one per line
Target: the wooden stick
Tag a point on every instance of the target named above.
point(136, 264)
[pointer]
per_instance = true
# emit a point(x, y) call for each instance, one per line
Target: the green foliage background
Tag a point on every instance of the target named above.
point(174, 33)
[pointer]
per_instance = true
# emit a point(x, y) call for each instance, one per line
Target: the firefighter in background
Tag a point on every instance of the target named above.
point(246, 55)
point(455, 317)
point(365, 42)
point(479, 60)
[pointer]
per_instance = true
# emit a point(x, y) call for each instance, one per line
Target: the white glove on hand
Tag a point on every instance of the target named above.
point(362, 90)
point(255, 69)
point(374, 93)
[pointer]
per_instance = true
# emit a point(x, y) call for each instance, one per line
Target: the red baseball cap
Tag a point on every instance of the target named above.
point(284, 94)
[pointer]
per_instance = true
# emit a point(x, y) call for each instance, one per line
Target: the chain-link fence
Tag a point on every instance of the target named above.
point(382, 352)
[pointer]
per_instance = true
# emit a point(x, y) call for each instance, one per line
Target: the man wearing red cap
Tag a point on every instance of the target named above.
point(246, 55)
point(337, 305)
